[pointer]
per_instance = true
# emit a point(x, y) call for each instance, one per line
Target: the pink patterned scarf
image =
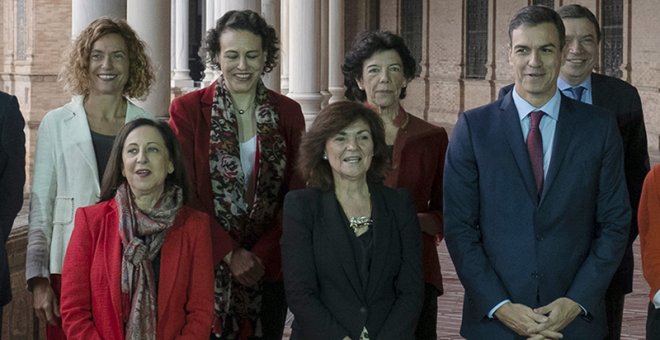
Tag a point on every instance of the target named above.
point(142, 235)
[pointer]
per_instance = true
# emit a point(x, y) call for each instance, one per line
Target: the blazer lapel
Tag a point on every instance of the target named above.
point(77, 125)
point(382, 230)
point(599, 95)
point(511, 127)
point(113, 262)
point(332, 226)
point(169, 267)
point(563, 134)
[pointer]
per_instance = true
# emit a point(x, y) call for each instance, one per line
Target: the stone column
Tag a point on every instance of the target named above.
point(305, 62)
point(284, 47)
point(181, 73)
point(209, 72)
point(270, 10)
point(336, 50)
point(323, 71)
point(151, 20)
point(85, 11)
point(229, 5)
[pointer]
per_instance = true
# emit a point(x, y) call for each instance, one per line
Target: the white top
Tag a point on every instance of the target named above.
point(248, 152)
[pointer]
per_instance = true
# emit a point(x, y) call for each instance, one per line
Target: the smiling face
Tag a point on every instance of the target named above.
point(242, 60)
point(350, 152)
point(146, 162)
point(108, 65)
point(383, 78)
point(581, 50)
point(536, 58)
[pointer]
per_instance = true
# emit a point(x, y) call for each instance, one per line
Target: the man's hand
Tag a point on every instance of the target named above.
point(246, 267)
point(525, 321)
point(44, 301)
point(560, 313)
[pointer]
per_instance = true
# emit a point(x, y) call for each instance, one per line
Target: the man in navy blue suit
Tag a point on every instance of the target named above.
point(536, 206)
point(578, 81)
point(12, 178)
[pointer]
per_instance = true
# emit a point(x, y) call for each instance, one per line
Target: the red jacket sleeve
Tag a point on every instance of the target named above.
point(76, 299)
point(649, 229)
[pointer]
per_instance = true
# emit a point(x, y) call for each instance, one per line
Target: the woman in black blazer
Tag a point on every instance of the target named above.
point(351, 248)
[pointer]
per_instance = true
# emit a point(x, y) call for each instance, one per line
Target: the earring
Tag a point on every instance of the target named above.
point(325, 156)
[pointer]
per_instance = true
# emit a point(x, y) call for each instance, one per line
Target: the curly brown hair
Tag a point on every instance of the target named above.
point(329, 122)
point(75, 74)
point(245, 20)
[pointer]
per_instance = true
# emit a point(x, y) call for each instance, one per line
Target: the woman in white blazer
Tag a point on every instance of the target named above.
point(107, 65)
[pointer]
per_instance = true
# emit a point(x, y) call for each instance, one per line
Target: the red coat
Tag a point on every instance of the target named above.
point(417, 165)
point(190, 118)
point(91, 288)
point(648, 220)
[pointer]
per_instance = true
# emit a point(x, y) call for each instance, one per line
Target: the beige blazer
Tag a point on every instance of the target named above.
point(64, 177)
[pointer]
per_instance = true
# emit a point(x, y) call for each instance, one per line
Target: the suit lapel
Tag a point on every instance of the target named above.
point(564, 132)
point(333, 228)
point(113, 262)
point(77, 125)
point(169, 266)
point(511, 127)
point(599, 95)
point(381, 229)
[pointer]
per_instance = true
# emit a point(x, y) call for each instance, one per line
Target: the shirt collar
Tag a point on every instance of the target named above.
point(564, 86)
point(550, 108)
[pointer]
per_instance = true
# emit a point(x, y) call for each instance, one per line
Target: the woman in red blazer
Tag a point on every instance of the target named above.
point(139, 264)
point(648, 219)
point(377, 69)
point(241, 142)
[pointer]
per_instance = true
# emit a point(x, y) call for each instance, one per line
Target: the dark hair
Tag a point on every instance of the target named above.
point(330, 121)
point(245, 20)
point(536, 15)
point(112, 177)
point(578, 12)
point(364, 46)
point(75, 73)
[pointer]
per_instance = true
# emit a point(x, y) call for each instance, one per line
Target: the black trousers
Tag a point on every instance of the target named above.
point(428, 318)
point(614, 301)
point(273, 312)
point(653, 323)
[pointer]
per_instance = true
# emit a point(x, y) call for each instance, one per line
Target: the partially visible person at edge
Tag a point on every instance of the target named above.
point(139, 264)
point(241, 142)
point(351, 247)
point(377, 69)
point(577, 77)
point(107, 64)
point(649, 241)
point(12, 179)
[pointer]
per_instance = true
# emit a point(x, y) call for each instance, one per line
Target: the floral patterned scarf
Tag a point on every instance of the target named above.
point(245, 216)
point(142, 235)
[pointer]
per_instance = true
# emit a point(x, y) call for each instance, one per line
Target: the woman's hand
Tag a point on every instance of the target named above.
point(44, 301)
point(246, 267)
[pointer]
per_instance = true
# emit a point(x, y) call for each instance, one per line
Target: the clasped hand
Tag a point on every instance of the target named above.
point(246, 267)
point(541, 323)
